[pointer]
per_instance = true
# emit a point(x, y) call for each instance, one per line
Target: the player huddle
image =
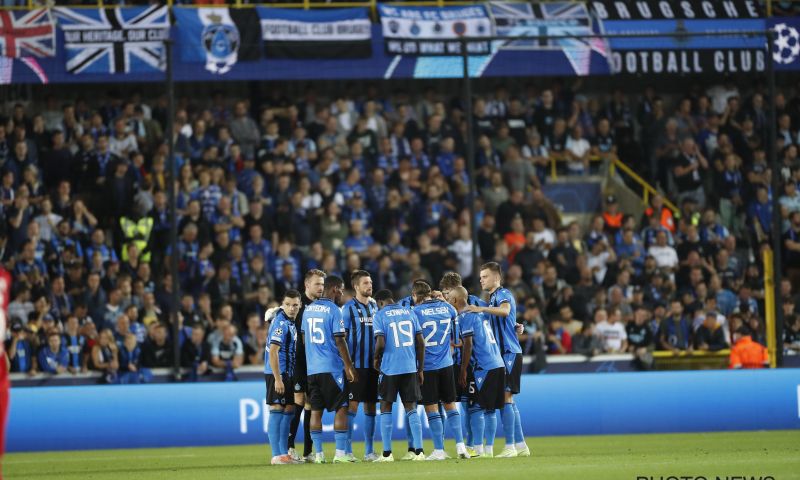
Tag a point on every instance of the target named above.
point(434, 348)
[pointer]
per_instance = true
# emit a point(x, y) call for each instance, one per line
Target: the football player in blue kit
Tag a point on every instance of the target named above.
point(502, 317)
point(328, 361)
point(449, 281)
point(358, 316)
point(400, 358)
point(279, 364)
point(487, 382)
point(436, 319)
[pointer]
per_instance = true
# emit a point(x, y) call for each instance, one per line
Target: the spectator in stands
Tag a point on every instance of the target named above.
point(586, 342)
point(675, 332)
point(104, 356)
point(640, 338)
point(53, 358)
point(227, 354)
point(709, 336)
point(559, 341)
point(612, 333)
point(195, 354)
point(130, 354)
point(577, 150)
point(20, 349)
point(156, 350)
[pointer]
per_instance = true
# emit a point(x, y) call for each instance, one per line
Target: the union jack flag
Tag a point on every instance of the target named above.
point(27, 33)
point(119, 40)
point(558, 19)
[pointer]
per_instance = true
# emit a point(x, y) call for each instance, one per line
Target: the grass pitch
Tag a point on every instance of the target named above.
point(709, 455)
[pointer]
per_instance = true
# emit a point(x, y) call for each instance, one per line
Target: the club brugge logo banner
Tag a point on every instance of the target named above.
point(217, 37)
point(336, 33)
point(675, 9)
point(119, 40)
point(434, 31)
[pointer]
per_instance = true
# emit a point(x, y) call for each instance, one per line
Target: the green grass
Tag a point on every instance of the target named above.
point(757, 454)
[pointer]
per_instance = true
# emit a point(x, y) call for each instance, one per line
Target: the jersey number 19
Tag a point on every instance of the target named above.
point(405, 328)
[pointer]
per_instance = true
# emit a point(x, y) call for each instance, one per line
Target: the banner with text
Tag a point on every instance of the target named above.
point(434, 31)
point(676, 9)
point(688, 54)
point(338, 33)
point(119, 40)
point(193, 414)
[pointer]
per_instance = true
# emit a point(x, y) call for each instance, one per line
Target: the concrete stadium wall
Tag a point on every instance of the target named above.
point(104, 417)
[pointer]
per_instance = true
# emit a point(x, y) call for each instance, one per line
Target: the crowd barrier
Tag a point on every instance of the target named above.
point(171, 415)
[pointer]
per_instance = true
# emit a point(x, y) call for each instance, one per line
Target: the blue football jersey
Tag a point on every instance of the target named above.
point(504, 328)
point(282, 333)
point(456, 331)
point(399, 326)
point(436, 319)
point(358, 319)
point(485, 350)
point(322, 322)
point(407, 302)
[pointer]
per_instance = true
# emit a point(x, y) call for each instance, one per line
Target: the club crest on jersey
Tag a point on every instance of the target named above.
point(297, 387)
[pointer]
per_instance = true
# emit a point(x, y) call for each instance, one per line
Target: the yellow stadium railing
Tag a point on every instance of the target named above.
point(647, 189)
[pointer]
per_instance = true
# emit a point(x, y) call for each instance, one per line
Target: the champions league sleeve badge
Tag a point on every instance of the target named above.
point(221, 42)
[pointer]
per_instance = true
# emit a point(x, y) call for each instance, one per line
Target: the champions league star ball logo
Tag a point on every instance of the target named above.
point(221, 43)
point(786, 47)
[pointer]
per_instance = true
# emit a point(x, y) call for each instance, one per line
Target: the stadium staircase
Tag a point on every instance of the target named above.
point(579, 198)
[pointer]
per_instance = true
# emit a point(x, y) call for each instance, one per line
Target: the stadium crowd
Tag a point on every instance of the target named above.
point(378, 181)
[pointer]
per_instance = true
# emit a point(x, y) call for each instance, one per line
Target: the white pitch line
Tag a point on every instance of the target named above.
point(94, 459)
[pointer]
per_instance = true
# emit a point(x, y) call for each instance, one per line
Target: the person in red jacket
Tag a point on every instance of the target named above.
point(5, 286)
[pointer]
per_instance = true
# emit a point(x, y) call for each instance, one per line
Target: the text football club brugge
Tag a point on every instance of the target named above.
point(334, 33)
point(119, 40)
point(679, 53)
point(218, 37)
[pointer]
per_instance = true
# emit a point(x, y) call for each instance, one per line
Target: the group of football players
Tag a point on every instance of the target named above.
point(437, 348)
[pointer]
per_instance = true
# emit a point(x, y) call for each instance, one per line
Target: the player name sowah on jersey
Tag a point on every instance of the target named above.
point(394, 313)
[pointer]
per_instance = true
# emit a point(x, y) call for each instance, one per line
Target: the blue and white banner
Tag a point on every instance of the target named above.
point(675, 9)
point(119, 40)
point(131, 416)
point(559, 19)
point(786, 47)
point(732, 53)
point(336, 33)
point(218, 37)
point(433, 30)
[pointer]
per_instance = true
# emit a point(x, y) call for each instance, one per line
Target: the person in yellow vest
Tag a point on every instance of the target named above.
point(136, 230)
